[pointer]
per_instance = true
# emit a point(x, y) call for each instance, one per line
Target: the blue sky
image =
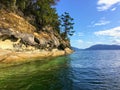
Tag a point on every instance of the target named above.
point(96, 21)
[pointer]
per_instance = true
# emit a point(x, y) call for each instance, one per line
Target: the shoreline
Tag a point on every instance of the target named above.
point(8, 56)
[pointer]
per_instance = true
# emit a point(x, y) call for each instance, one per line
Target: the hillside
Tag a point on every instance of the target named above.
point(19, 40)
point(21, 35)
point(76, 49)
point(32, 29)
point(104, 47)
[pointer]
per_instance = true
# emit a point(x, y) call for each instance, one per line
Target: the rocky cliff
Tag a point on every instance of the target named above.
point(21, 35)
point(18, 35)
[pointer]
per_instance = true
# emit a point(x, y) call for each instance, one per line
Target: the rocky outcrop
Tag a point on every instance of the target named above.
point(18, 35)
point(7, 56)
point(43, 40)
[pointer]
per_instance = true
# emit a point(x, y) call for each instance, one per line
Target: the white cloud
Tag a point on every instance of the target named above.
point(113, 9)
point(89, 42)
point(116, 41)
point(114, 32)
point(101, 22)
point(113, 35)
point(79, 41)
point(106, 4)
point(93, 43)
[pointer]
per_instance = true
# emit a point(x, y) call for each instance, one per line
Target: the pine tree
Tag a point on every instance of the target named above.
point(45, 14)
point(42, 11)
point(66, 25)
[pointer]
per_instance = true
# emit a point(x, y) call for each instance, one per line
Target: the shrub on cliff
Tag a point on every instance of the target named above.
point(41, 12)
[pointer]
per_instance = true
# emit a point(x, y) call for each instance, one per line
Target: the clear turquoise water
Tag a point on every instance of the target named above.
point(82, 70)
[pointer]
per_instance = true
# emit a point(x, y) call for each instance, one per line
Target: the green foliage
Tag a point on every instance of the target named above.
point(66, 25)
point(45, 14)
point(21, 4)
point(41, 10)
point(42, 13)
point(6, 3)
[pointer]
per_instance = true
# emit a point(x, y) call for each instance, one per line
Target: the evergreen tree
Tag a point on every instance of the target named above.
point(45, 14)
point(66, 25)
point(42, 11)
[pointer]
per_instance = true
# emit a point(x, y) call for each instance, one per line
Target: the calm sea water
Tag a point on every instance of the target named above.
point(82, 70)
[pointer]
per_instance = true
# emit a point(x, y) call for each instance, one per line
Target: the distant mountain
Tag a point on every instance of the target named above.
point(104, 47)
point(75, 49)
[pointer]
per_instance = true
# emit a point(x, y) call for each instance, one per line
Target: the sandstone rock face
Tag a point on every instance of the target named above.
point(22, 41)
point(18, 34)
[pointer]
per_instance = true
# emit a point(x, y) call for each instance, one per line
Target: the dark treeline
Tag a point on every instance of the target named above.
point(41, 13)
